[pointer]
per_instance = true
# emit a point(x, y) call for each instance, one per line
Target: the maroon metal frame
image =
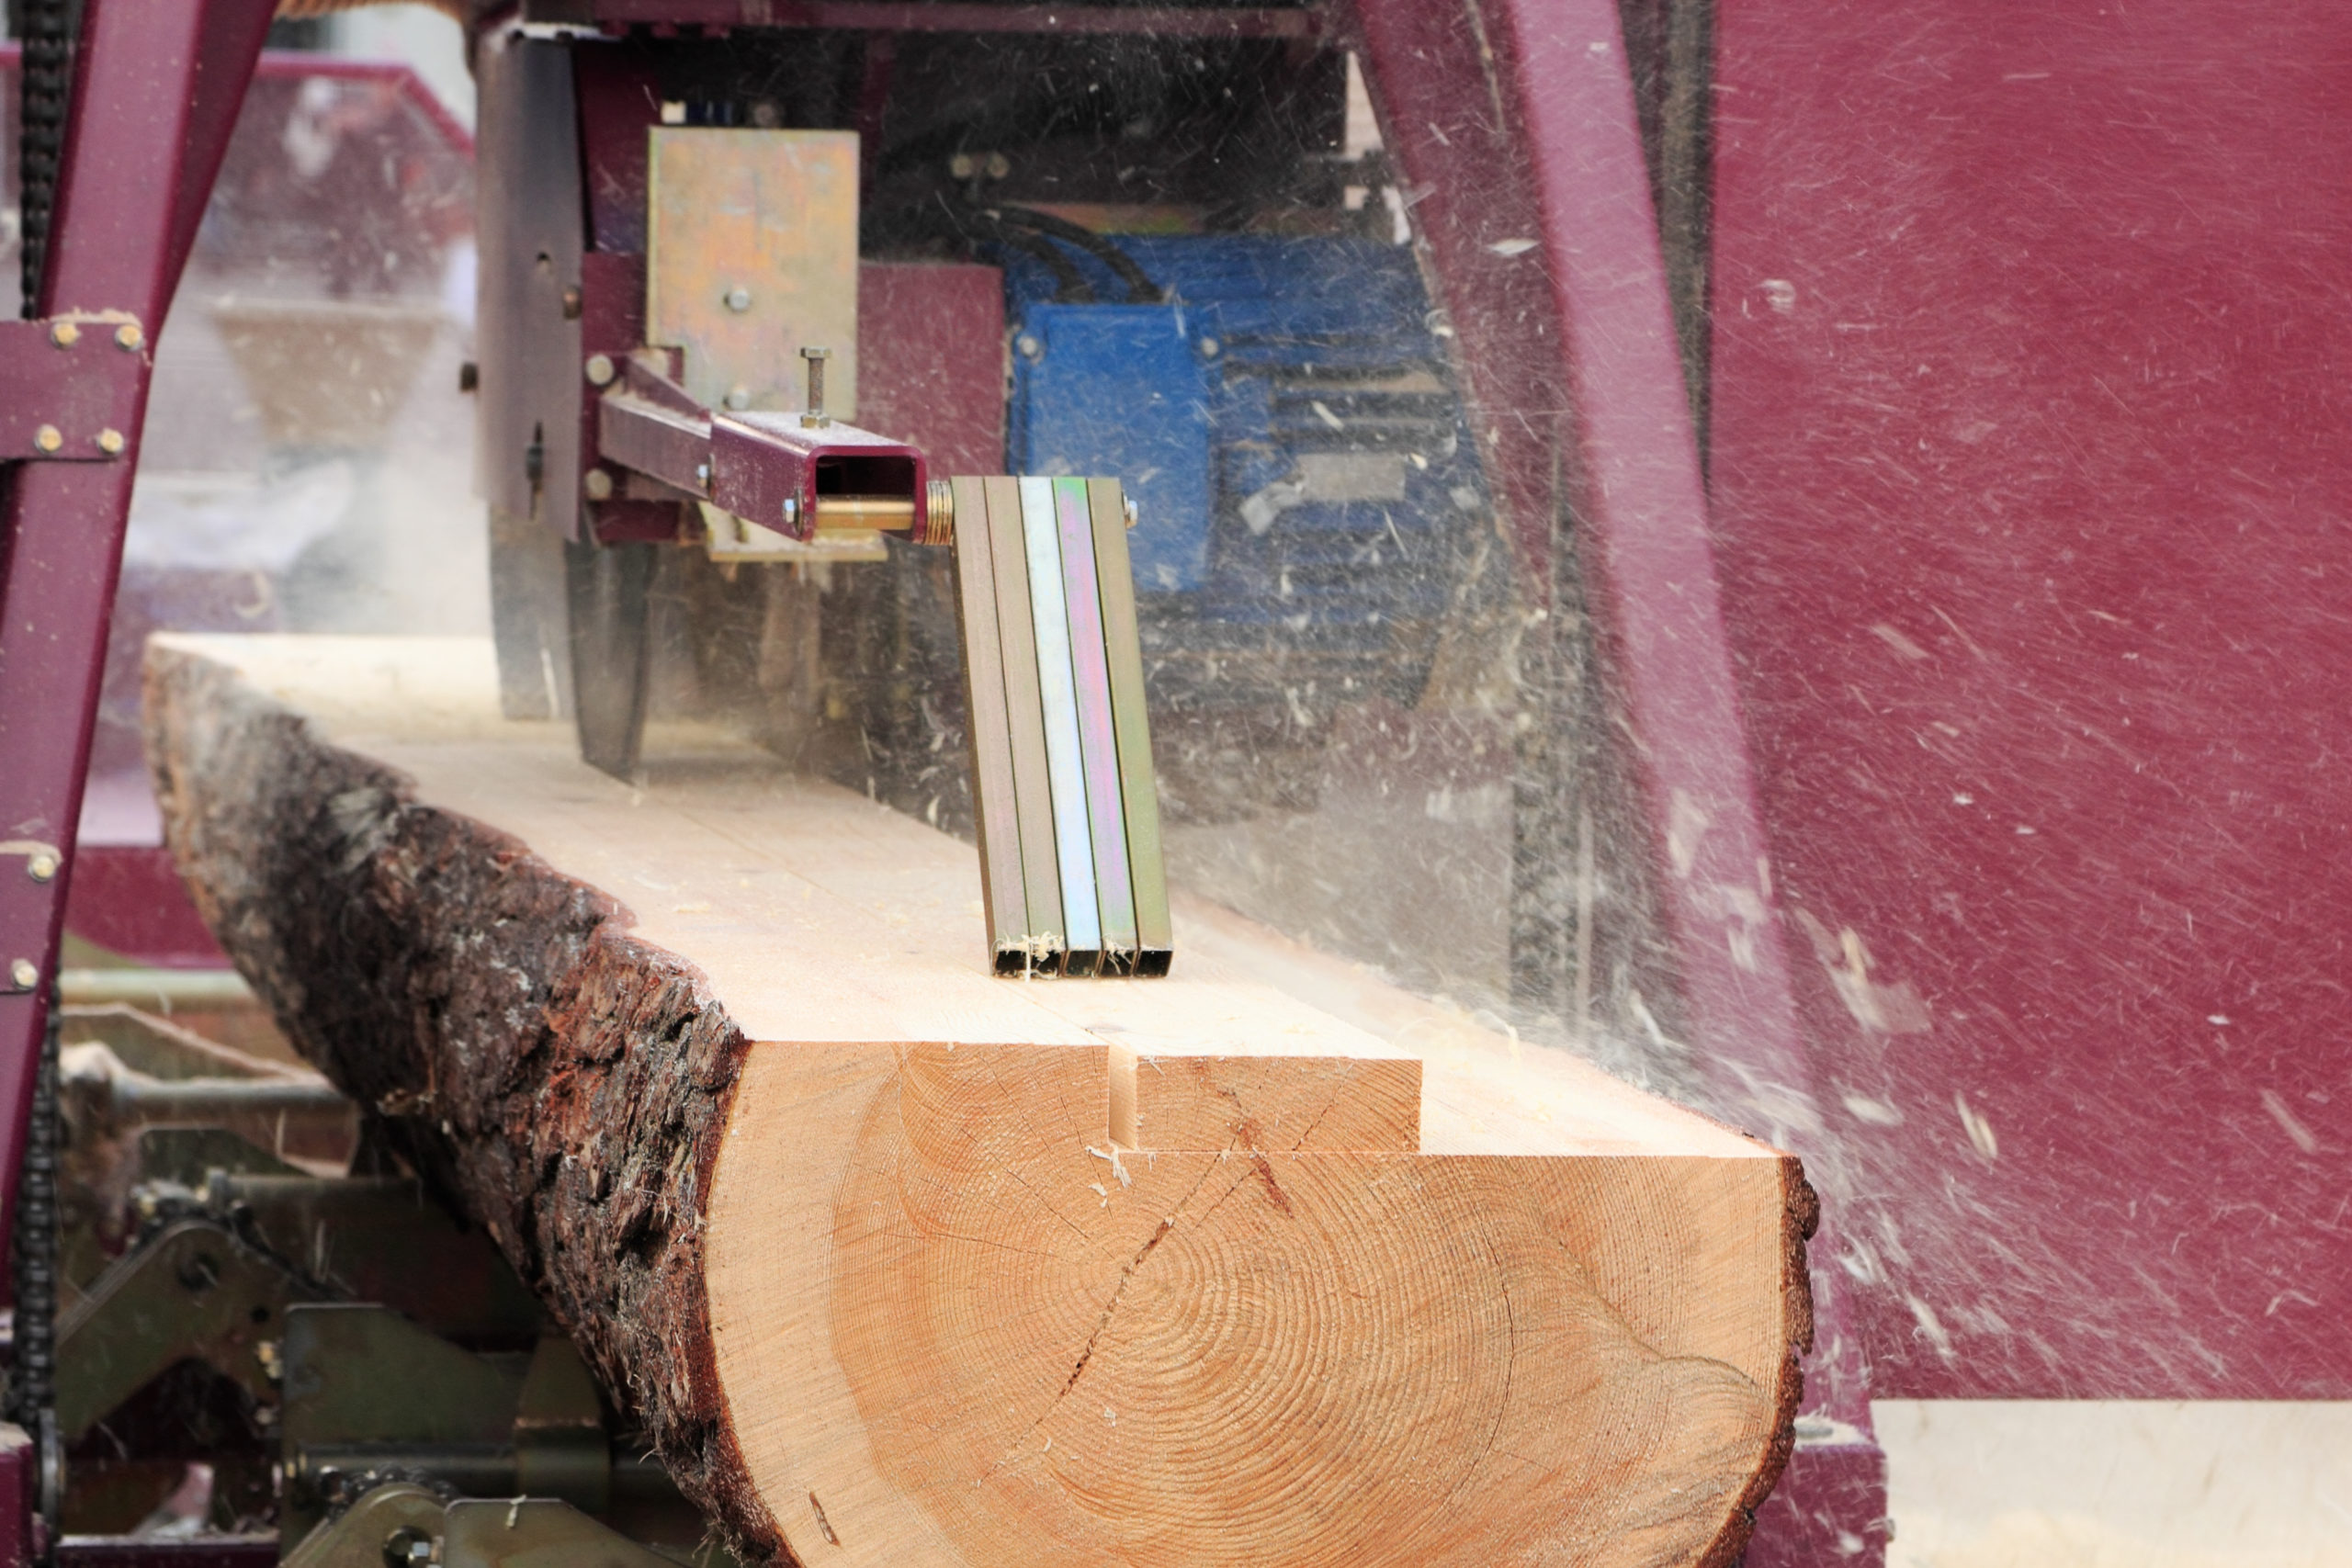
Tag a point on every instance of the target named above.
point(1514, 122)
point(156, 88)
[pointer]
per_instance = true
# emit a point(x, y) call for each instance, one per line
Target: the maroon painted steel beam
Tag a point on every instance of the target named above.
point(1514, 123)
point(878, 16)
point(156, 88)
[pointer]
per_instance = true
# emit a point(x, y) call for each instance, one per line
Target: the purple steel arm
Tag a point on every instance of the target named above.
point(156, 87)
point(1514, 121)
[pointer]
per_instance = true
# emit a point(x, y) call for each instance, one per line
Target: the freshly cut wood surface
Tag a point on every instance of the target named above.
point(905, 1264)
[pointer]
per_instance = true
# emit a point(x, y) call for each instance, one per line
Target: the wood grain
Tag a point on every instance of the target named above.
point(902, 1263)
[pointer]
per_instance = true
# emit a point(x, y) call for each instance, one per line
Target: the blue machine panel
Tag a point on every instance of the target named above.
point(1312, 505)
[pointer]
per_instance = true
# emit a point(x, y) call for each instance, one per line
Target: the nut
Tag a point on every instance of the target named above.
point(596, 484)
point(65, 335)
point(49, 438)
point(600, 369)
point(110, 442)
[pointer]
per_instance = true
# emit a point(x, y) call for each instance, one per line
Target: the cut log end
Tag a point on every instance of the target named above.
point(903, 1264)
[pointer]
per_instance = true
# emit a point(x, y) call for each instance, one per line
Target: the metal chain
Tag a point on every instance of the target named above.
point(33, 1374)
point(47, 78)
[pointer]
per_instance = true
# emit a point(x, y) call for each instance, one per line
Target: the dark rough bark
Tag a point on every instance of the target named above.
point(563, 1084)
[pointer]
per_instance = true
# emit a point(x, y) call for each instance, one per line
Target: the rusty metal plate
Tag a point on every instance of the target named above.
point(752, 256)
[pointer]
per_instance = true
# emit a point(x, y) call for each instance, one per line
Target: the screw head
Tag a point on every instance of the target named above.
point(49, 438)
point(128, 336)
point(41, 866)
point(816, 354)
point(110, 442)
point(600, 369)
point(24, 974)
point(738, 298)
point(1029, 347)
point(65, 335)
point(596, 485)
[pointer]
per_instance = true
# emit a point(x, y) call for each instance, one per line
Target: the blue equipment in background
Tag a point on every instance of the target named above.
point(1310, 501)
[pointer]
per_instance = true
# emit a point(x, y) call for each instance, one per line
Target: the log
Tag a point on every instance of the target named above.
point(902, 1263)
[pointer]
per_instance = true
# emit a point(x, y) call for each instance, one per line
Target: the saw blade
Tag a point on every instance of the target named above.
point(606, 590)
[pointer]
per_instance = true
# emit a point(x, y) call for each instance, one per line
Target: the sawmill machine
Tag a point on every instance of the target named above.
point(926, 391)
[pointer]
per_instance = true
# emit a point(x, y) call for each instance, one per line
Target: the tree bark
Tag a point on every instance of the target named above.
point(899, 1263)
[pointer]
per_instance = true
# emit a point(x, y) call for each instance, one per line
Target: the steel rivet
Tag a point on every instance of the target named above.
point(42, 866)
point(739, 398)
point(600, 369)
point(110, 442)
point(738, 298)
point(597, 484)
point(1211, 348)
point(129, 336)
point(49, 438)
point(1029, 346)
point(23, 972)
point(65, 335)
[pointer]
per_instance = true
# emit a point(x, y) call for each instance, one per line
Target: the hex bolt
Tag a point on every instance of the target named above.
point(738, 298)
point(24, 975)
point(600, 369)
point(815, 417)
point(65, 335)
point(49, 438)
point(41, 866)
point(128, 337)
point(407, 1547)
point(110, 442)
point(596, 485)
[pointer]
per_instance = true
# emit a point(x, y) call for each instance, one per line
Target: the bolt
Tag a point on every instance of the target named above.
point(1029, 346)
point(816, 358)
point(65, 335)
point(128, 337)
point(407, 1547)
point(1211, 348)
point(49, 438)
point(110, 442)
point(42, 866)
point(738, 299)
point(738, 398)
point(596, 484)
point(24, 975)
point(600, 369)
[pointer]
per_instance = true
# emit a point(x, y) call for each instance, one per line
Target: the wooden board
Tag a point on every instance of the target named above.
point(905, 1264)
